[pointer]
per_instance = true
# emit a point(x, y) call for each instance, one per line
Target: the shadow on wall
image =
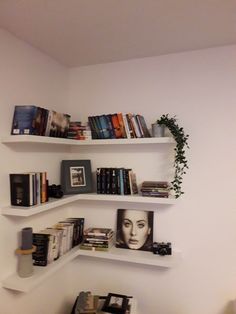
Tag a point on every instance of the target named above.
point(230, 308)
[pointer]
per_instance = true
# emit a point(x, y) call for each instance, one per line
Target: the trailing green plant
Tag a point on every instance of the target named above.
point(180, 162)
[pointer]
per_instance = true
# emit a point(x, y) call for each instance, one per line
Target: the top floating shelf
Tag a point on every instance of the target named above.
point(63, 141)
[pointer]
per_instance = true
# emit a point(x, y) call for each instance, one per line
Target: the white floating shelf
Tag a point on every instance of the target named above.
point(127, 198)
point(135, 256)
point(63, 141)
point(33, 210)
point(14, 282)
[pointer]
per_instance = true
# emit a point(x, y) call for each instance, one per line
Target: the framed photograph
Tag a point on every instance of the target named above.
point(115, 303)
point(134, 229)
point(76, 176)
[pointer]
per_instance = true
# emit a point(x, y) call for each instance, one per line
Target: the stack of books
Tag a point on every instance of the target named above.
point(79, 131)
point(119, 181)
point(98, 239)
point(118, 125)
point(155, 188)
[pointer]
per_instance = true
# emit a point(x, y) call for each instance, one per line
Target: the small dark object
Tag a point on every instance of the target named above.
point(55, 191)
point(116, 303)
point(162, 248)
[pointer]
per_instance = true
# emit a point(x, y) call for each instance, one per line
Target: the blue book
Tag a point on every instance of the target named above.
point(105, 127)
point(24, 120)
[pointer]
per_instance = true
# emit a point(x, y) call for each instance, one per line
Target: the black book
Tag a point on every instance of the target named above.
point(98, 177)
point(143, 124)
point(78, 230)
point(24, 120)
point(20, 187)
point(113, 181)
point(108, 180)
point(103, 180)
point(99, 126)
point(118, 184)
point(93, 127)
point(127, 190)
point(41, 241)
point(110, 127)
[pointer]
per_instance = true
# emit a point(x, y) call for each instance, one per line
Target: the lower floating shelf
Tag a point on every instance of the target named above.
point(14, 282)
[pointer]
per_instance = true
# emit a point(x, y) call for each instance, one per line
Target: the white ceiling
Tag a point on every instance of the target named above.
point(83, 32)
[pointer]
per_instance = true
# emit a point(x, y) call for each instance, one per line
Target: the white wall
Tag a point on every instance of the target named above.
point(28, 77)
point(199, 87)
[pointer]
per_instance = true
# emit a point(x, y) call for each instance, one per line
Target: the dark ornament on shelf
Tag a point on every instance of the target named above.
point(180, 162)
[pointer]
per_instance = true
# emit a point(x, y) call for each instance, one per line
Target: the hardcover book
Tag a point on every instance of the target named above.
point(40, 256)
point(116, 125)
point(24, 120)
point(98, 232)
point(20, 189)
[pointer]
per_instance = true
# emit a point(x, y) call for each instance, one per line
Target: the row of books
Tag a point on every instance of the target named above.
point(79, 131)
point(28, 189)
point(119, 181)
point(34, 120)
point(98, 239)
point(53, 242)
point(118, 125)
point(155, 188)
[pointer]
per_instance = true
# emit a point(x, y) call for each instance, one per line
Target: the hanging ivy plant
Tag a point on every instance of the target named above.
point(180, 162)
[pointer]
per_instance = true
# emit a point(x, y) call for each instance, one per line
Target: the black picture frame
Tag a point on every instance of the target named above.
point(76, 176)
point(116, 303)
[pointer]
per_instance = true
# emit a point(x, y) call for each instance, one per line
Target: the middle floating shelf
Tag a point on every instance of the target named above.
point(67, 199)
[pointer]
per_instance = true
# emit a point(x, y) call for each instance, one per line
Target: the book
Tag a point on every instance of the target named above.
point(130, 125)
point(20, 189)
point(104, 126)
point(80, 221)
point(126, 126)
point(155, 194)
point(116, 125)
point(110, 126)
point(133, 182)
point(51, 246)
point(94, 130)
point(40, 256)
point(122, 125)
point(92, 248)
point(143, 125)
point(98, 178)
point(155, 184)
point(98, 232)
point(24, 120)
point(135, 126)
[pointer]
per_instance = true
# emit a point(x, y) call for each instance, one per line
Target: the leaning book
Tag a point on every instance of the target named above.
point(24, 120)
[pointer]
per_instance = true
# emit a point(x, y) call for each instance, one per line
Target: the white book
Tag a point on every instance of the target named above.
point(57, 238)
point(126, 126)
point(136, 127)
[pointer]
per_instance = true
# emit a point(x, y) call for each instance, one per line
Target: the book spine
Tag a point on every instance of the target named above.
point(131, 128)
point(126, 126)
point(122, 126)
point(110, 126)
point(98, 178)
point(135, 126)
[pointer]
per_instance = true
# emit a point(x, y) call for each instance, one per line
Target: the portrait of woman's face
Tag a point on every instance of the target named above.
point(134, 228)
